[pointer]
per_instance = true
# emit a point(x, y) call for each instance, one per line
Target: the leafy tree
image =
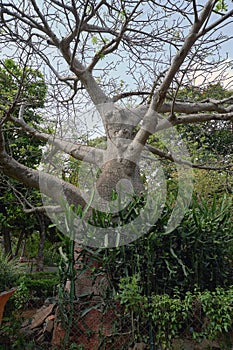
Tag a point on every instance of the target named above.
point(25, 150)
point(33, 91)
point(212, 139)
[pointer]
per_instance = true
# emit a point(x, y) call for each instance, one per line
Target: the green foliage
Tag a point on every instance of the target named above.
point(173, 282)
point(51, 253)
point(201, 93)
point(22, 294)
point(131, 293)
point(32, 289)
point(94, 40)
point(168, 317)
point(51, 245)
point(202, 315)
point(25, 83)
point(198, 252)
point(9, 273)
point(27, 86)
point(12, 330)
point(40, 285)
point(217, 311)
point(208, 184)
point(203, 242)
point(67, 272)
point(207, 141)
point(221, 6)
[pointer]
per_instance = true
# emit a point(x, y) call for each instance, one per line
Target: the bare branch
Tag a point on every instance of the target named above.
point(223, 106)
point(29, 207)
point(216, 23)
point(47, 28)
point(128, 94)
point(77, 151)
point(176, 160)
point(200, 118)
point(113, 44)
point(198, 107)
point(195, 11)
point(180, 56)
point(148, 50)
point(63, 6)
point(52, 186)
point(150, 118)
point(44, 209)
point(21, 16)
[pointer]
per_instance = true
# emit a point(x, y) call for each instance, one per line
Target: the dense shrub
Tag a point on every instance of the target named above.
point(41, 285)
point(197, 253)
point(198, 314)
point(9, 273)
point(33, 289)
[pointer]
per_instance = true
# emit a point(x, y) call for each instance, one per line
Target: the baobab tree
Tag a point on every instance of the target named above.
point(127, 60)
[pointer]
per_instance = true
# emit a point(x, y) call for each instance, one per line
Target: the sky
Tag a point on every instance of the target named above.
point(228, 46)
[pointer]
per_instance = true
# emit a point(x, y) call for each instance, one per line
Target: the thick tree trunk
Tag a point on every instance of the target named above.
point(117, 175)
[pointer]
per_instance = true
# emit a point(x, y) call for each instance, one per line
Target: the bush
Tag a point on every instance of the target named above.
point(197, 253)
point(41, 284)
point(9, 273)
point(34, 288)
point(41, 288)
point(199, 314)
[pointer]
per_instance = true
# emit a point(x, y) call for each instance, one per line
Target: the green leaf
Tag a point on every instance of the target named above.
point(94, 40)
point(221, 6)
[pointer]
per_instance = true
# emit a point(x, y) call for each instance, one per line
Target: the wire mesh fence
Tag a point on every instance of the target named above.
point(86, 313)
point(94, 326)
point(104, 327)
